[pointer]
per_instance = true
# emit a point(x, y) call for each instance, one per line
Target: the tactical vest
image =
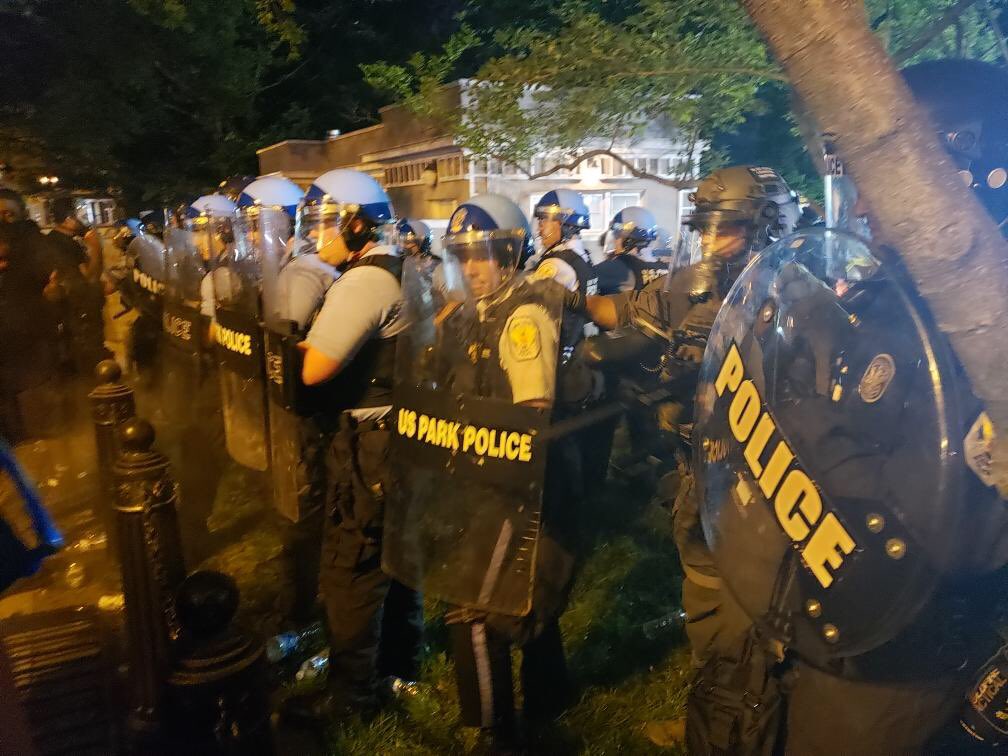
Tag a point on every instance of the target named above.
point(470, 347)
point(572, 328)
point(644, 272)
point(367, 380)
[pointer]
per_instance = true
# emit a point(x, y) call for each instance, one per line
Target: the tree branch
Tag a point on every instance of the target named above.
point(928, 33)
point(992, 20)
point(757, 73)
point(635, 172)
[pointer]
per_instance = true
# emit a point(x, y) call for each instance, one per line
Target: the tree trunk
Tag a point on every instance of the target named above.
point(948, 243)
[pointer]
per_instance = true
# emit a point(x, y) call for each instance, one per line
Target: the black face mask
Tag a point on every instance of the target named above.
point(358, 233)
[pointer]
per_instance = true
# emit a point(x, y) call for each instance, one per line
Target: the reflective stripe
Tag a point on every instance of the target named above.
point(496, 562)
point(484, 676)
point(704, 581)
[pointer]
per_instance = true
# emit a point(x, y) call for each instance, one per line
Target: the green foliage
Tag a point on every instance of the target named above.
point(562, 79)
point(581, 77)
point(630, 576)
point(900, 23)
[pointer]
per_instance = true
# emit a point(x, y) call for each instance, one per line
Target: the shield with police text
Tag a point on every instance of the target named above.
point(828, 458)
point(144, 285)
point(474, 392)
point(293, 283)
point(236, 274)
point(185, 322)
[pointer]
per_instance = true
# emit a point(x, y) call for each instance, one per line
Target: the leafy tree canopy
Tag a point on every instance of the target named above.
point(598, 74)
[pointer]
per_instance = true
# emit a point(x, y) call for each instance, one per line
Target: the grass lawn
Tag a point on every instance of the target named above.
point(630, 575)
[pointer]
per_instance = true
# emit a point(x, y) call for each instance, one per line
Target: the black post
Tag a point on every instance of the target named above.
point(112, 404)
point(150, 556)
point(217, 701)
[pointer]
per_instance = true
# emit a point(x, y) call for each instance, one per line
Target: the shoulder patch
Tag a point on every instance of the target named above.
point(523, 335)
point(977, 447)
point(547, 270)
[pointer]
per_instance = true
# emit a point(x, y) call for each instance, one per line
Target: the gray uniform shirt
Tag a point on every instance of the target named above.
point(299, 290)
point(365, 303)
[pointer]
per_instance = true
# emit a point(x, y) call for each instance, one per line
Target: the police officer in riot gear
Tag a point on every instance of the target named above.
point(141, 288)
point(414, 237)
point(881, 576)
point(738, 210)
point(630, 264)
point(374, 622)
point(561, 215)
point(291, 293)
point(488, 529)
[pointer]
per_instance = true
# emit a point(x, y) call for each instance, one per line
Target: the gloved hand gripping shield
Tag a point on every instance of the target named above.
point(827, 456)
point(474, 388)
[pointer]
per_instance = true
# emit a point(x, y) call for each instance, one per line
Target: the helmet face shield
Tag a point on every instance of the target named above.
point(328, 229)
point(482, 261)
point(212, 236)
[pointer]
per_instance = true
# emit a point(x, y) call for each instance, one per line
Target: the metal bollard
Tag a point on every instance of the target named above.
point(217, 702)
point(150, 555)
point(112, 404)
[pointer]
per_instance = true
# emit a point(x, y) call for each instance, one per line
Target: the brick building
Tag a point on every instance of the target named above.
point(427, 174)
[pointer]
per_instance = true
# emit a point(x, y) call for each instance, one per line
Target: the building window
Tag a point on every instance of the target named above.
point(621, 200)
point(450, 168)
point(596, 202)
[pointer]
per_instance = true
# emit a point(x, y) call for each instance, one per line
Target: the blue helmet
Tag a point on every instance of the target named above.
point(636, 226)
point(272, 191)
point(344, 203)
point(489, 226)
point(210, 205)
point(351, 192)
point(566, 206)
point(414, 232)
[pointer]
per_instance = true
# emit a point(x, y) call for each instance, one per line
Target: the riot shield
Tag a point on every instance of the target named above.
point(292, 289)
point(144, 283)
point(237, 276)
point(184, 323)
point(470, 438)
point(828, 465)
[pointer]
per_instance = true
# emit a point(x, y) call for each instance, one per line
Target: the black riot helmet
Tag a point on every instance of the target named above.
point(737, 212)
point(967, 102)
point(740, 201)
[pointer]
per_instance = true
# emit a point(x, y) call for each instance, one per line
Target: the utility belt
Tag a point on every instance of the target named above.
point(345, 421)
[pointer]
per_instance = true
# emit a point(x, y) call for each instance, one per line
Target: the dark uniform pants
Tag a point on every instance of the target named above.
point(832, 716)
point(732, 670)
point(372, 619)
point(482, 642)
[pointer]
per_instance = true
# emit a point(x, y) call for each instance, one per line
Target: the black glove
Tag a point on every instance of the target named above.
point(575, 302)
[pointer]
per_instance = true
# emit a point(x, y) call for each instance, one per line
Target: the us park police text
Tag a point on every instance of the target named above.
point(456, 436)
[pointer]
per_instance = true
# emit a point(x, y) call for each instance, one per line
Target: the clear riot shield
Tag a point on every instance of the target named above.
point(237, 279)
point(828, 465)
point(292, 289)
point(475, 380)
point(144, 282)
point(185, 322)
